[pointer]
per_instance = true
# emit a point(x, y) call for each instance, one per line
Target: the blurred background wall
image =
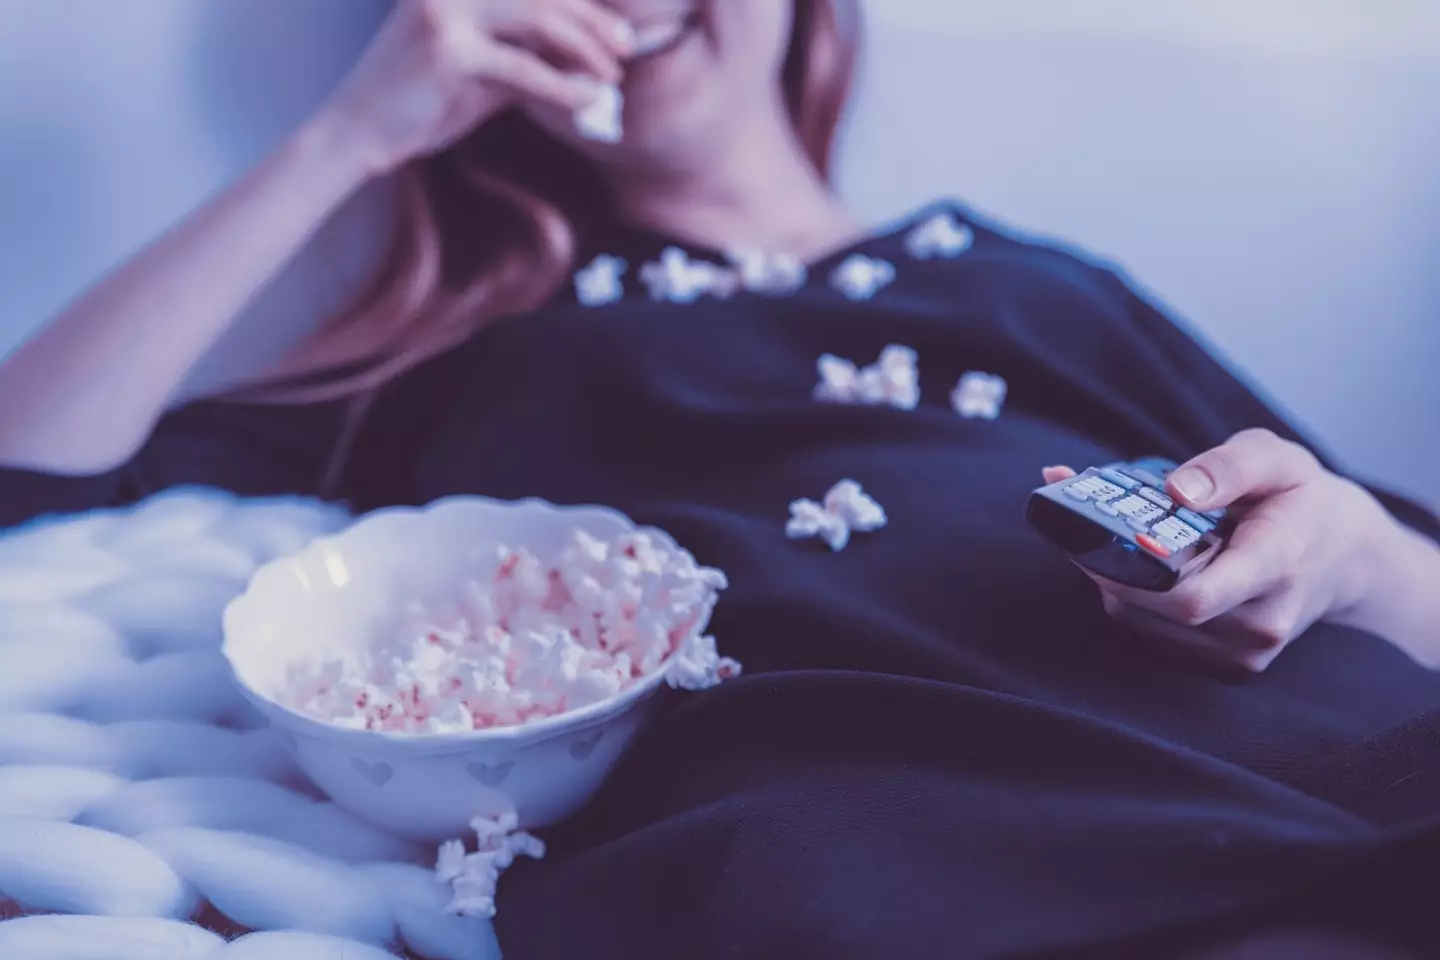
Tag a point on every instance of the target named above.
point(1268, 168)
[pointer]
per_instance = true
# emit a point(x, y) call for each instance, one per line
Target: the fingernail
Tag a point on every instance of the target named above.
point(625, 34)
point(1193, 484)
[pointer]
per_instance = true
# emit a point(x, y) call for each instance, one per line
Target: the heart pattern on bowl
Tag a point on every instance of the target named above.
point(378, 773)
point(492, 775)
point(582, 748)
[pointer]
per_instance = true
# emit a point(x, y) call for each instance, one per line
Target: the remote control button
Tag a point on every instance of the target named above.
point(1076, 492)
point(1145, 476)
point(1139, 511)
point(1107, 507)
point(1104, 490)
point(1139, 523)
point(1158, 465)
point(1199, 521)
point(1175, 533)
point(1132, 505)
point(1119, 479)
point(1170, 543)
point(1156, 497)
point(1153, 545)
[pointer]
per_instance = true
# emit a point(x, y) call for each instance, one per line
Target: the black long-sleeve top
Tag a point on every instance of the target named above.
point(941, 745)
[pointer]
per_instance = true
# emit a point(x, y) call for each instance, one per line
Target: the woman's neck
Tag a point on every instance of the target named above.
point(757, 190)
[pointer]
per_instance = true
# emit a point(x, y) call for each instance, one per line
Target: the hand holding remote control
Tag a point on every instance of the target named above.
point(1295, 544)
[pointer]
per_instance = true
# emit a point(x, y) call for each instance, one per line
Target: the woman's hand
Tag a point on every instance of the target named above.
point(81, 396)
point(439, 68)
point(1307, 546)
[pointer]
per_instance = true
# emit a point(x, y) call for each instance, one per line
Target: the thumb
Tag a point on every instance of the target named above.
point(1251, 464)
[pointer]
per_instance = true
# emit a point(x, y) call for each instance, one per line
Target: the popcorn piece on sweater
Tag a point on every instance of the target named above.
point(849, 501)
point(860, 277)
point(529, 639)
point(893, 380)
point(602, 120)
point(839, 380)
point(473, 877)
point(772, 274)
point(940, 236)
point(846, 509)
point(600, 282)
point(697, 665)
point(678, 279)
point(811, 519)
point(899, 374)
point(979, 395)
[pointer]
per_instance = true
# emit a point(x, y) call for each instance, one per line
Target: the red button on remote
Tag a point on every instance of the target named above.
point(1153, 545)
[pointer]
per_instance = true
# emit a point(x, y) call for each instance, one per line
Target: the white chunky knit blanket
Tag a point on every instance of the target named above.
point(145, 813)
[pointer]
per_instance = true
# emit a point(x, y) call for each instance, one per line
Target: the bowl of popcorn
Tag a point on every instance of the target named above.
point(473, 657)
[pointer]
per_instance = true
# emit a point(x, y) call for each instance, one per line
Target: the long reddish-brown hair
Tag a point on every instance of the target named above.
point(493, 227)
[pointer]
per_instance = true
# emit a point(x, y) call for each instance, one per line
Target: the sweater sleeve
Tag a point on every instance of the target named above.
point(1223, 404)
point(247, 449)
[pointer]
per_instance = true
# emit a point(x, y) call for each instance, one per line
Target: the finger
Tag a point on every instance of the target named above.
point(607, 26)
point(1225, 644)
point(1206, 644)
point(457, 33)
point(1248, 568)
point(1253, 463)
point(1056, 474)
point(444, 11)
point(532, 77)
point(559, 33)
point(1272, 621)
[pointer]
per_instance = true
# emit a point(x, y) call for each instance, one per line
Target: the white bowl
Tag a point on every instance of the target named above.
point(340, 589)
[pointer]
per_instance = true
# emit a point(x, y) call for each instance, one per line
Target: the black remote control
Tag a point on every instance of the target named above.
point(1117, 521)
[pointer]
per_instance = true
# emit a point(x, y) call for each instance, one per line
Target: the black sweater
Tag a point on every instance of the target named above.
point(941, 745)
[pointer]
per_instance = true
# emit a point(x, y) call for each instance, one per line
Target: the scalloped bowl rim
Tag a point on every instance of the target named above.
point(531, 731)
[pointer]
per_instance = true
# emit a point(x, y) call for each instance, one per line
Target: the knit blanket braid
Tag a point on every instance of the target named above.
point(146, 813)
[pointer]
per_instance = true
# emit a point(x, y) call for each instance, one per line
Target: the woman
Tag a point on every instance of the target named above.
point(942, 746)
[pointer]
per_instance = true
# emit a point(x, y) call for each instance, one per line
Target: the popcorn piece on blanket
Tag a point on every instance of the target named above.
point(860, 277)
point(771, 274)
point(473, 876)
point(678, 279)
point(602, 120)
point(600, 282)
point(940, 236)
point(893, 380)
point(979, 395)
point(845, 510)
point(530, 640)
